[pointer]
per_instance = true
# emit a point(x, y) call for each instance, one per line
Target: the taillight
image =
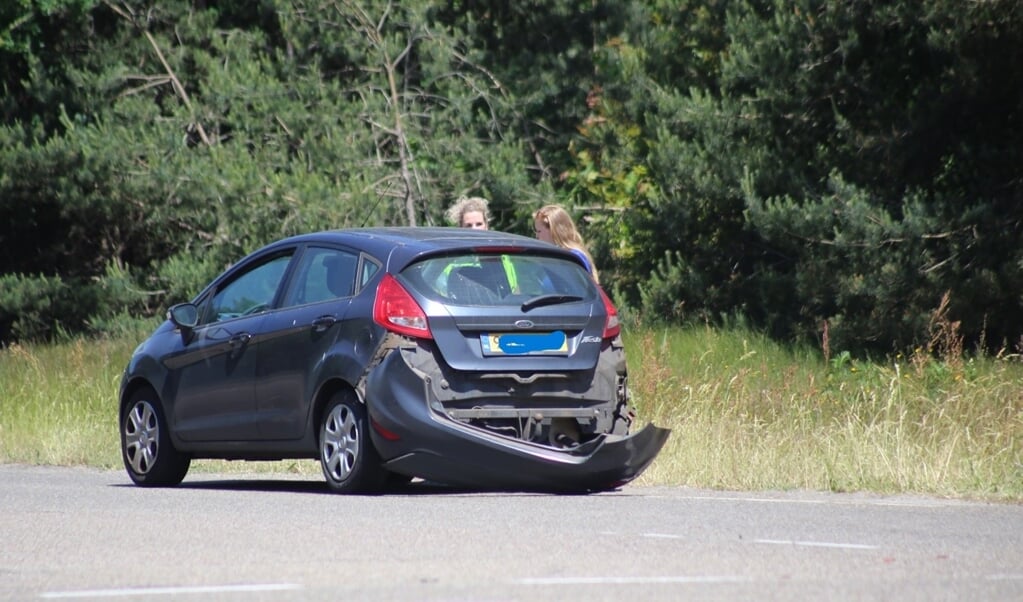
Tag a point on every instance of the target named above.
point(396, 310)
point(611, 326)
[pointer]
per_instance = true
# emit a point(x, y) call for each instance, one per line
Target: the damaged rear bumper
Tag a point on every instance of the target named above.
point(509, 465)
point(423, 442)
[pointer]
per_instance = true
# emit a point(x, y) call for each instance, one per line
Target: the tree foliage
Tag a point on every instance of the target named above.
point(840, 163)
point(793, 163)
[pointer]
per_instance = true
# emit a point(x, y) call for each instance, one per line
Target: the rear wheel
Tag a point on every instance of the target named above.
point(146, 448)
point(349, 461)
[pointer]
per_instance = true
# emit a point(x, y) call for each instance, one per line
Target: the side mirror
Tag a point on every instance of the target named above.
point(186, 317)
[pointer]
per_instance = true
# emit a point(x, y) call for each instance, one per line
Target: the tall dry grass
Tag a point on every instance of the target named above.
point(747, 413)
point(58, 402)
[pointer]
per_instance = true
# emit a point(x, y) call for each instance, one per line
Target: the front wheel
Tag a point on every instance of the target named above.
point(146, 448)
point(350, 462)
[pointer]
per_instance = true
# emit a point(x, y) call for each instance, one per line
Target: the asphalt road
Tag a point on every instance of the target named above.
point(85, 534)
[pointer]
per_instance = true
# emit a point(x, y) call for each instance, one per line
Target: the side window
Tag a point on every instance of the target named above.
point(369, 268)
point(251, 292)
point(323, 274)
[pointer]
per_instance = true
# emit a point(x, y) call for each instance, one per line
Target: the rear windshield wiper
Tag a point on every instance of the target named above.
point(549, 300)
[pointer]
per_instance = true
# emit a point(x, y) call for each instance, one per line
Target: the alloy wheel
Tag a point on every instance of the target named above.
point(341, 443)
point(141, 437)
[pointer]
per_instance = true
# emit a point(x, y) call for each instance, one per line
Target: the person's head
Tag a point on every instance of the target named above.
point(470, 212)
point(551, 223)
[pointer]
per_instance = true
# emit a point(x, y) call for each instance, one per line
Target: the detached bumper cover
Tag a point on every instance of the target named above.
point(435, 447)
point(502, 466)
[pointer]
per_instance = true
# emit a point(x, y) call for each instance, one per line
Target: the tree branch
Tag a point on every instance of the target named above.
point(179, 89)
point(175, 83)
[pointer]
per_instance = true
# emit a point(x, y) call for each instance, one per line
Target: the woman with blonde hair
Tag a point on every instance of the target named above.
point(551, 223)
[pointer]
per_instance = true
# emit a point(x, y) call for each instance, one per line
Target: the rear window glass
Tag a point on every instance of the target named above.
point(494, 280)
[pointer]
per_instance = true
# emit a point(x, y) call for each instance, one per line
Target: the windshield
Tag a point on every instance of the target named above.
point(500, 279)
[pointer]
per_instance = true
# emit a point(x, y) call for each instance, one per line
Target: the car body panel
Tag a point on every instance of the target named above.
point(291, 360)
point(214, 380)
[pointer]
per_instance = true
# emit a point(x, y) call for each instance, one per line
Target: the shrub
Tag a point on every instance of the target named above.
point(37, 307)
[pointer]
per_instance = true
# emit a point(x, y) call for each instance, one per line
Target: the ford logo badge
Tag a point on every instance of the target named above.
point(523, 324)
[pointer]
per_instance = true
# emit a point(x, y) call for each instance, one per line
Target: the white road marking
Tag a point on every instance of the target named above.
point(630, 580)
point(908, 503)
point(162, 591)
point(817, 544)
point(661, 535)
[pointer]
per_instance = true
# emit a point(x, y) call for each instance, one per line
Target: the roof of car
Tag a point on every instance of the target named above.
point(430, 236)
point(405, 243)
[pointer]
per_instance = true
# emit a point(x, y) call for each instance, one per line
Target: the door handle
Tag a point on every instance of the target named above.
point(323, 323)
point(239, 340)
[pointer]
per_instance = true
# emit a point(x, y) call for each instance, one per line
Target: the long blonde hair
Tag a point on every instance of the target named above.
point(563, 231)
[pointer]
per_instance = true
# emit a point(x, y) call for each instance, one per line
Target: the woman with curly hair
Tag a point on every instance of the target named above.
point(470, 212)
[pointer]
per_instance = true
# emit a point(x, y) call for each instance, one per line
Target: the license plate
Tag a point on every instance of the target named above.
point(525, 343)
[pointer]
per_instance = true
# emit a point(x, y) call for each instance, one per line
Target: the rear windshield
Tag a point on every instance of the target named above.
point(495, 280)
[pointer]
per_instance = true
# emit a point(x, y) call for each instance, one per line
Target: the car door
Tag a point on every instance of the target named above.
point(215, 373)
point(298, 338)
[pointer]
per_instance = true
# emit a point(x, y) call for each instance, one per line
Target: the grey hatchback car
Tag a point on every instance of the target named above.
point(472, 358)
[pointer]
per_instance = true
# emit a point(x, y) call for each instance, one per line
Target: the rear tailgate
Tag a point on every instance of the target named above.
point(554, 340)
point(510, 313)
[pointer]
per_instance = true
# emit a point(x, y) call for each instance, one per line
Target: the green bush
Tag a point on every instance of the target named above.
point(182, 277)
point(38, 307)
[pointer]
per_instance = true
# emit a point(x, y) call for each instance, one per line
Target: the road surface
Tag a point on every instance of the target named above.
point(72, 533)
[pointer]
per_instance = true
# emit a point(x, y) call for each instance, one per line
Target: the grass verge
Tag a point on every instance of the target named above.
point(746, 413)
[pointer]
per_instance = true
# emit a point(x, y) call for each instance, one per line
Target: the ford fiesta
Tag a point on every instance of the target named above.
point(466, 357)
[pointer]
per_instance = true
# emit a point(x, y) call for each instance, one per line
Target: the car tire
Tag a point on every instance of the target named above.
point(146, 448)
point(349, 461)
